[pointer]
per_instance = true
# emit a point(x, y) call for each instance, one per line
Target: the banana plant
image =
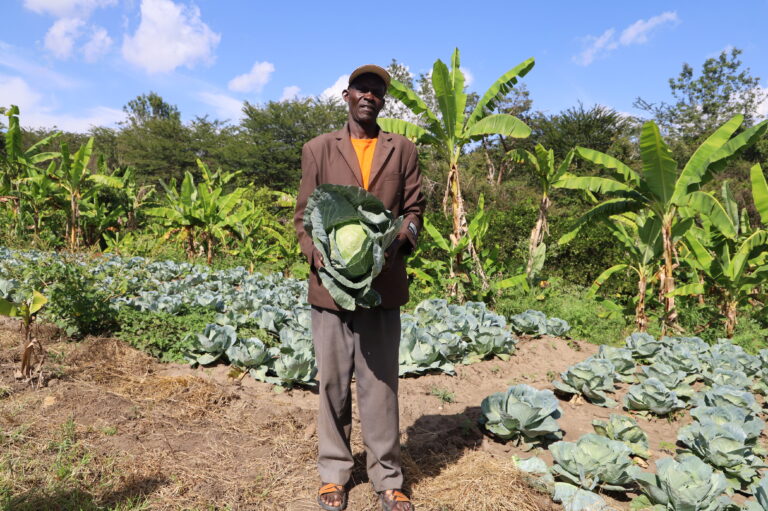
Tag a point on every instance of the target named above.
point(451, 129)
point(541, 163)
point(25, 307)
point(203, 212)
point(726, 250)
point(37, 191)
point(659, 188)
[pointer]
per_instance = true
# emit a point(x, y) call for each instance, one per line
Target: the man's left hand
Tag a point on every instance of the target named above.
point(391, 252)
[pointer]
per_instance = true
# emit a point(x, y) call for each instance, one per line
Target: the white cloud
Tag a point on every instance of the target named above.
point(63, 8)
point(636, 33)
point(169, 35)
point(469, 78)
point(762, 108)
point(254, 80)
point(98, 45)
point(290, 92)
point(19, 60)
point(334, 91)
point(35, 113)
point(226, 106)
point(60, 38)
point(597, 46)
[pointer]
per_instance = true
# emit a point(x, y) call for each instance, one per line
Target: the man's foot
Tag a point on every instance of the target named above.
point(332, 497)
point(395, 500)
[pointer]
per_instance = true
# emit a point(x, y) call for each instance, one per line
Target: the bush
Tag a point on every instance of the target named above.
point(161, 334)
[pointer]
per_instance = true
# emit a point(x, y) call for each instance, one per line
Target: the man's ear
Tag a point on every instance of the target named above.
point(345, 95)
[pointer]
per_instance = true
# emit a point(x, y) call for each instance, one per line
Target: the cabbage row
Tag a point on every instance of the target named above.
point(262, 324)
point(719, 453)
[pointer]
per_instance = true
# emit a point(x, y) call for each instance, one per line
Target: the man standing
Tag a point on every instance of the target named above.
point(363, 342)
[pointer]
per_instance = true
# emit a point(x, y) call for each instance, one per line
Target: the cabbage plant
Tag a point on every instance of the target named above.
point(680, 357)
point(591, 378)
point(592, 461)
point(624, 429)
point(732, 356)
point(721, 376)
point(726, 395)
point(574, 498)
point(622, 361)
point(652, 396)
point(674, 380)
point(420, 353)
point(730, 414)
point(522, 413)
point(725, 447)
point(530, 322)
point(687, 484)
point(209, 346)
point(351, 229)
point(644, 346)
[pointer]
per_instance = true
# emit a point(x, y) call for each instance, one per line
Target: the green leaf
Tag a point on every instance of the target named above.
point(8, 308)
point(407, 129)
point(410, 99)
point(457, 85)
point(438, 238)
point(514, 281)
point(739, 262)
point(687, 290)
point(608, 162)
point(759, 192)
point(38, 301)
point(441, 83)
point(707, 205)
point(498, 90)
point(659, 168)
point(735, 145)
point(499, 124)
point(593, 184)
point(600, 280)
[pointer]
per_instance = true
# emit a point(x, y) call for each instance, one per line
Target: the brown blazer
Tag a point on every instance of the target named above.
point(395, 179)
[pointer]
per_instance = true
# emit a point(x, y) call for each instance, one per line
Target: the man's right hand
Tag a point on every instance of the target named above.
point(317, 259)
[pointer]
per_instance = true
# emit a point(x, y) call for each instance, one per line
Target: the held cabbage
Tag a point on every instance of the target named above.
point(351, 229)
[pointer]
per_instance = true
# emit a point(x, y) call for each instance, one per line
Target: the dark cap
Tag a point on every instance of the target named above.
point(371, 68)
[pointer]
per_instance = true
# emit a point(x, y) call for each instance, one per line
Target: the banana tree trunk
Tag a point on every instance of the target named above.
point(460, 228)
point(667, 284)
point(489, 162)
point(730, 317)
point(641, 319)
point(73, 221)
point(190, 239)
point(537, 233)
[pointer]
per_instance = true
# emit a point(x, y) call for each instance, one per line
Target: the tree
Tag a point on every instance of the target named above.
point(722, 90)
point(660, 188)
point(393, 107)
point(148, 107)
point(450, 129)
point(270, 137)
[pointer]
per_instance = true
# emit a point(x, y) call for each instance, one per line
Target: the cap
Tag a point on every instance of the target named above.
point(371, 68)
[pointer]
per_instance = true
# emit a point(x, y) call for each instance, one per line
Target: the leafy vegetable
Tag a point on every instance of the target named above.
point(592, 461)
point(730, 414)
point(624, 429)
point(685, 485)
point(591, 378)
point(726, 395)
point(721, 376)
point(652, 396)
point(574, 498)
point(674, 380)
point(335, 218)
point(209, 346)
point(522, 413)
point(644, 346)
point(536, 323)
point(622, 361)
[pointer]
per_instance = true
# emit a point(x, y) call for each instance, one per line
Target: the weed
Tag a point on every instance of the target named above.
point(443, 395)
point(109, 430)
point(667, 447)
point(551, 375)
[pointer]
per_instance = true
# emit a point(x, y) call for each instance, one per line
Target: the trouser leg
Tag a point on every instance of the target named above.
point(334, 354)
point(377, 336)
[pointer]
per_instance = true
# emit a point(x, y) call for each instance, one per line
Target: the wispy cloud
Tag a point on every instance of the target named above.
point(334, 91)
point(254, 80)
point(169, 35)
point(290, 92)
point(98, 45)
point(18, 60)
point(64, 8)
point(636, 33)
point(225, 106)
point(35, 112)
point(60, 38)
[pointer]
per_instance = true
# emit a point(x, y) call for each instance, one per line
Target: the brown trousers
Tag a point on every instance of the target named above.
point(365, 343)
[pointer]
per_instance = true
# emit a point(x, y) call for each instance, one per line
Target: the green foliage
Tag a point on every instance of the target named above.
point(522, 413)
point(161, 334)
point(590, 378)
point(624, 429)
point(592, 461)
point(78, 306)
point(652, 396)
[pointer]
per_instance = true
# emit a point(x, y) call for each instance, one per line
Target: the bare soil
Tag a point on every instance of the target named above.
point(114, 429)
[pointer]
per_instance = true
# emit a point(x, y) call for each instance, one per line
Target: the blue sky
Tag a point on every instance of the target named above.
point(75, 63)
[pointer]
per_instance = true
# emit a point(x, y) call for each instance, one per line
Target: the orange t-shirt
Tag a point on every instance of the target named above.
point(364, 148)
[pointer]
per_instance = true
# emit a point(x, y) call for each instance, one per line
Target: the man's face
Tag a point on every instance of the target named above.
point(365, 97)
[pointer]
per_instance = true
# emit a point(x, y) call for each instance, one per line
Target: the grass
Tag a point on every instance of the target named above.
point(444, 395)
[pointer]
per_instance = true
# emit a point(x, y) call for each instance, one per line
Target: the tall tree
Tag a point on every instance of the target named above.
point(723, 89)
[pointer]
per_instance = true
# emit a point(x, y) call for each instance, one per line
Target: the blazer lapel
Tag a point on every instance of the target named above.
point(381, 154)
point(344, 145)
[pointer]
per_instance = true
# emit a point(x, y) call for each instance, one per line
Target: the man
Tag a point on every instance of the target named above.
point(365, 341)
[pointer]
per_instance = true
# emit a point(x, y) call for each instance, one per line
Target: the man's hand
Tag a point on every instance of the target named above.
point(317, 259)
point(391, 252)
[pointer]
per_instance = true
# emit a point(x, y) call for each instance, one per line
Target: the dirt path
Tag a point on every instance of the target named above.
point(117, 430)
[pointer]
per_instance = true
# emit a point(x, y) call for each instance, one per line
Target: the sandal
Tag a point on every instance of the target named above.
point(391, 498)
point(331, 489)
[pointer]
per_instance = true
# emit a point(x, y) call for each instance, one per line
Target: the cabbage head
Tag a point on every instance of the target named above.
point(351, 228)
point(622, 361)
point(652, 396)
point(644, 346)
point(685, 485)
point(592, 461)
point(522, 413)
point(750, 423)
point(727, 395)
point(624, 429)
point(591, 378)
